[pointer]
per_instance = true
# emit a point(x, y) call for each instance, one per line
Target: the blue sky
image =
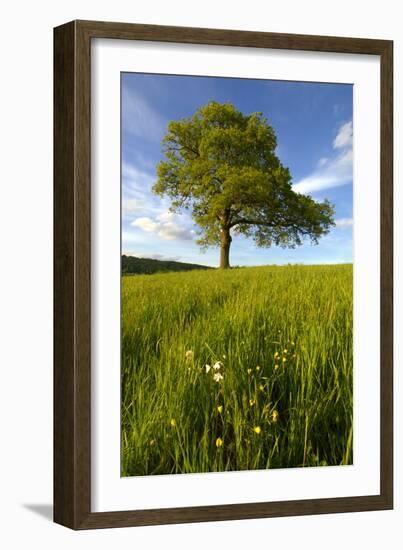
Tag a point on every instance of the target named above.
point(313, 124)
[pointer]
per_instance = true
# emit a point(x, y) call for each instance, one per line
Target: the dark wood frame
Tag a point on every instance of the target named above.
point(72, 319)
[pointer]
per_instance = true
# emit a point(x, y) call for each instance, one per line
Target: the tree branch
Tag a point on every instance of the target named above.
point(285, 224)
point(241, 221)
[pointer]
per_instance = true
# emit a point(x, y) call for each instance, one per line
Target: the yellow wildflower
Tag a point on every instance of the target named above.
point(189, 356)
point(173, 422)
point(257, 430)
point(284, 359)
point(261, 387)
point(258, 368)
point(274, 416)
point(252, 402)
point(219, 442)
point(219, 409)
point(285, 351)
point(249, 371)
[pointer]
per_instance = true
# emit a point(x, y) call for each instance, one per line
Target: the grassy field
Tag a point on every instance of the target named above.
point(280, 395)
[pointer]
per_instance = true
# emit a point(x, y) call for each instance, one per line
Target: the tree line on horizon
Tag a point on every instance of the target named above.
point(131, 265)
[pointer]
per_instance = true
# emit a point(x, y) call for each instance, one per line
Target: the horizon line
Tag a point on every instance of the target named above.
point(237, 265)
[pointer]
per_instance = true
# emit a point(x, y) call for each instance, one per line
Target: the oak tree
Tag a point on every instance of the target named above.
point(222, 165)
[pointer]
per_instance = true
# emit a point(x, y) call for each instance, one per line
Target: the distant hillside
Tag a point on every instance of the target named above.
point(132, 265)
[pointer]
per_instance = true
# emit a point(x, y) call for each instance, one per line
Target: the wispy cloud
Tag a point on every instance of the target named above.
point(338, 109)
point(136, 181)
point(132, 206)
point(139, 118)
point(334, 171)
point(165, 226)
point(137, 195)
point(344, 136)
point(344, 223)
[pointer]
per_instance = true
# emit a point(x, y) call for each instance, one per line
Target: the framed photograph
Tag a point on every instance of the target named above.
point(222, 275)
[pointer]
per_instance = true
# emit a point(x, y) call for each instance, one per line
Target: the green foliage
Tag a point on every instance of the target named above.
point(222, 165)
point(132, 265)
point(293, 322)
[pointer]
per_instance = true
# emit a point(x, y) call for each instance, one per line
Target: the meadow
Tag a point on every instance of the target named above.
point(241, 369)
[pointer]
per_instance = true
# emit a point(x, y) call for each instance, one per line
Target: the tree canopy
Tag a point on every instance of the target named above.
point(222, 165)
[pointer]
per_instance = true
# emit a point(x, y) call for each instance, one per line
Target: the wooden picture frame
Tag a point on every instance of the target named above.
point(72, 272)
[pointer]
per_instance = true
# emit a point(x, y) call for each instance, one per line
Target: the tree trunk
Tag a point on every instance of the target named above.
point(225, 246)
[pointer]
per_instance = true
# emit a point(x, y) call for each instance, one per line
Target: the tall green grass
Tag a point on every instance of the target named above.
point(283, 337)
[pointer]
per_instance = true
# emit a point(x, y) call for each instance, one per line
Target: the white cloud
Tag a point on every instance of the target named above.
point(139, 118)
point(165, 216)
point(344, 223)
point(146, 216)
point(172, 231)
point(165, 226)
point(146, 224)
point(137, 195)
point(344, 136)
point(332, 172)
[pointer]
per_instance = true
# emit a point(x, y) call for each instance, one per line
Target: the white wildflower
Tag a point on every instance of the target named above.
point(217, 365)
point(217, 377)
point(207, 367)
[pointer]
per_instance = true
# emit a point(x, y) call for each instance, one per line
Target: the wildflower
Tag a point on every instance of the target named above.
point(276, 366)
point(284, 359)
point(189, 356)
point(257, 430)
point(219, 442)
point(252, 402)
point(217, 377)
point(224, 356)
point(257, 368)
point(207, 367)
point(249, 371)
point(219, 409)
point(217, 365)
point(173, 422)
point(153, 442)
point(274, 416)
point(284, 351)
point(261, 387)
point(276, 355)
